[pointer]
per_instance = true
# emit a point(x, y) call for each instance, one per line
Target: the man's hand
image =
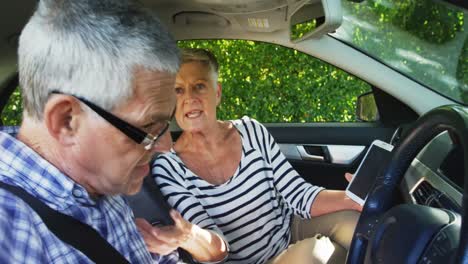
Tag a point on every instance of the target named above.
point(163, 240)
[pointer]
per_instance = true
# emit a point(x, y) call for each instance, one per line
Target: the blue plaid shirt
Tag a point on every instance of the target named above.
point(24, 236)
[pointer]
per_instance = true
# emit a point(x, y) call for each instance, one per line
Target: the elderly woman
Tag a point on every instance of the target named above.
point(230, 179)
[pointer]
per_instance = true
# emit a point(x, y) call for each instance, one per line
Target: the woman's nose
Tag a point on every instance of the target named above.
point(189, 96)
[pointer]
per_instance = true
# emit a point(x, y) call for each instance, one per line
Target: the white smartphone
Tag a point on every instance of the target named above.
point(376, 157)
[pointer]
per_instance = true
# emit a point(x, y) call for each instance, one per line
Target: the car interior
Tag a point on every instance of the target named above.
point(416, 209)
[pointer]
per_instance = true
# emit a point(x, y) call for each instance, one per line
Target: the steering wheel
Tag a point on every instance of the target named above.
point(413, 233)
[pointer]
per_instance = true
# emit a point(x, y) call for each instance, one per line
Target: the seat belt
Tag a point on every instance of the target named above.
point(80, 236)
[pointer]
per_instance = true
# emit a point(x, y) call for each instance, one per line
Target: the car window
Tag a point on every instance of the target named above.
point(268, 82)
point(426, 40)
point(275, 84)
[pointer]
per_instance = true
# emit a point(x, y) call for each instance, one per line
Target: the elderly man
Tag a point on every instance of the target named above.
point(97, 79)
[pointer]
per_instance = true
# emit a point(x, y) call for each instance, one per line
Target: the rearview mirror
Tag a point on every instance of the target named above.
point(366, 108)
point(314, 18)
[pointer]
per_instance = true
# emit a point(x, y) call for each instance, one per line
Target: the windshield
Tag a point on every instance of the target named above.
point(423, 39)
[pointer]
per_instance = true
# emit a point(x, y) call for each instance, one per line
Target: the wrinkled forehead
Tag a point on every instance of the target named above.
point(147, 82)
point(153, 95)
point(195, 70)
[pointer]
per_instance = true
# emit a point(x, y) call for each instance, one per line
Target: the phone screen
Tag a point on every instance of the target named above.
point(375, 159)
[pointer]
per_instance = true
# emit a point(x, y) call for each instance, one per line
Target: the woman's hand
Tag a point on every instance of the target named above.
point(353, 204)
point(329, 201)
point(203, 245)
point(348, 176)
point(163, 240)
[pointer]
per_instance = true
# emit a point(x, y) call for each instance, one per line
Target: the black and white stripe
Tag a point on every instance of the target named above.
point(252, 211)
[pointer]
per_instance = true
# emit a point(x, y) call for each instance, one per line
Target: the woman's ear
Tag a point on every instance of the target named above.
point(61, 114)
point(218, 93)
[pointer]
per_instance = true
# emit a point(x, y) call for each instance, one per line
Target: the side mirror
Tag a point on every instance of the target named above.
point(314, 18)
point(366, 108)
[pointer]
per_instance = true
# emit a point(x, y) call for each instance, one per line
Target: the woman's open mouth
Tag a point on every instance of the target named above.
point(193, 114)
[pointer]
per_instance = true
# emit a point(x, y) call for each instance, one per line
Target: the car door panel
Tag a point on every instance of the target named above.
point(322, 152)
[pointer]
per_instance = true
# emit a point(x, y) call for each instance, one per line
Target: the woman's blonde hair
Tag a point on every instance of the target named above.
point(204, 57)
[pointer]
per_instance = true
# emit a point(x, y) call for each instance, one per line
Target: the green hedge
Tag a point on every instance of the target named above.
point(268, 82)
point(12, 112)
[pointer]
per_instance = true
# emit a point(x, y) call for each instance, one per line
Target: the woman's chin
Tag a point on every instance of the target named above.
point(194, 125)
point(194, 130)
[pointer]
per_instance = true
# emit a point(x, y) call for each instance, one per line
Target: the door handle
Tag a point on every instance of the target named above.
point(333, 154)
point(314, 153)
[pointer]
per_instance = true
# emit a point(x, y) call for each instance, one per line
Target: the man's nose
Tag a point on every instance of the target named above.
point(164, 143)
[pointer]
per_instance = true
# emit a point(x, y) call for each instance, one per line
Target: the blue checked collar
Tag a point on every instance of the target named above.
point(21, 166)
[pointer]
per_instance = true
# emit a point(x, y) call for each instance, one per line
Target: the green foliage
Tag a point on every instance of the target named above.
point(462, 71)
point(300, 29)
point(275, 84)
point(11, 115)
point(423, 39)
point(269, 83)
point(429, 20)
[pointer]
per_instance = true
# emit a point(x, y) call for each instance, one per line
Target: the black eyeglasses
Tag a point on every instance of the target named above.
point(139, 136)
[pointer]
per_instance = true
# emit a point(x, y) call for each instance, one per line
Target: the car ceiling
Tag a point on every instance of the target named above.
point(240, 19)
point(261, 20)
point(231, 17)
point(186, 19)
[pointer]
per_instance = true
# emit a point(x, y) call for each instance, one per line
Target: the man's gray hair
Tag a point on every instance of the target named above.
point(90, 48)
point(202, 56)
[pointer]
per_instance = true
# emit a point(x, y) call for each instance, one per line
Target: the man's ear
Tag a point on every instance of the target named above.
point(61, 114)
point(219, 92)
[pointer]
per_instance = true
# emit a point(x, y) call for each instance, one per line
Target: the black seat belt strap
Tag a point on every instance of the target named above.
point(81, 236)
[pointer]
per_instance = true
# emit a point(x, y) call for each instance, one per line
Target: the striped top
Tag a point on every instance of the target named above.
point(252, 211)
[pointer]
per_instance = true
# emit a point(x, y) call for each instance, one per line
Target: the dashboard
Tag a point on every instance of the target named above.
point(435, 176)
